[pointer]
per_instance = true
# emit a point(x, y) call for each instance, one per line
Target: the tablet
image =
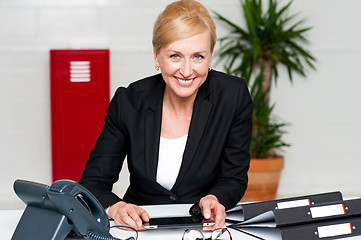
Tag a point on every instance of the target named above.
point(176, 222)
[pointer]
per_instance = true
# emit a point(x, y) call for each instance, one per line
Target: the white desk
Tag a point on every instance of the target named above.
point(10, 218)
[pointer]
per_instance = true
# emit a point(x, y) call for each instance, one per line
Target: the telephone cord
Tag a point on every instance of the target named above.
point(93, 236)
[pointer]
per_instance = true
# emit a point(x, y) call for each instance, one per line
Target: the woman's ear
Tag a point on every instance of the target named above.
point(156, 58)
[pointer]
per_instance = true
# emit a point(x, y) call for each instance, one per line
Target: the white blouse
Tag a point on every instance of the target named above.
point(170, 160)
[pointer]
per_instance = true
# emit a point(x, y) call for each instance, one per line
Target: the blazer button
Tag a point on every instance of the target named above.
point(173, 198)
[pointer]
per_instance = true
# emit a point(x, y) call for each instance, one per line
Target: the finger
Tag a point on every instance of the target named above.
point(206, 209)
point(133, 213)
point(143, 214)
point(126, 216)
point(217, 224)
point(220, 215)
point(128, 221)
point(212, 219)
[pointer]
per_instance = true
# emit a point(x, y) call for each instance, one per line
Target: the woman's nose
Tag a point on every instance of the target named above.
point(186, 69)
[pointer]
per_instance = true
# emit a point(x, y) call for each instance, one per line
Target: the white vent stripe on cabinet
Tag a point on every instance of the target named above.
point(80, 71)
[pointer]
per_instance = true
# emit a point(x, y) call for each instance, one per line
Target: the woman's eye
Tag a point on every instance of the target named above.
point(174, 56)
point(198, 57)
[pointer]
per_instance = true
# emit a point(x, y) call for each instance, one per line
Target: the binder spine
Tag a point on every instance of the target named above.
point(317, 213)
point(326, 230)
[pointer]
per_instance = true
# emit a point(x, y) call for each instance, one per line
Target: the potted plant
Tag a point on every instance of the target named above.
point(271, 39)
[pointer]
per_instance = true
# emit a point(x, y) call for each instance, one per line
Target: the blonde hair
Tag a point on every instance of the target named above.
point(182, 19)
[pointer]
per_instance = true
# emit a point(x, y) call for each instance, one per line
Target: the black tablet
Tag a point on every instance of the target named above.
point(176, 222)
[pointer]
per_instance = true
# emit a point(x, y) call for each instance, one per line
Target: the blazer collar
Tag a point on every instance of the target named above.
point(153, 121)
point(153, 118)
point(156, 94)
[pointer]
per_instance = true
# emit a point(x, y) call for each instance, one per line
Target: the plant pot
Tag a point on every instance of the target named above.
point(263, 178)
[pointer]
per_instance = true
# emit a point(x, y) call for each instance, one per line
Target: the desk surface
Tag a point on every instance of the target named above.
point(10, 218)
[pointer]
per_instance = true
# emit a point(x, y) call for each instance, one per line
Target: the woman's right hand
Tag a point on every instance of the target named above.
point(127, 214)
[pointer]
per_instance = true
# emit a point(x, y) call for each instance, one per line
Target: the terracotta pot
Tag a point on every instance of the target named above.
point(263, 178)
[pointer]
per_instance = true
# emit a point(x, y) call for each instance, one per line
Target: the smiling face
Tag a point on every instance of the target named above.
point(184, 64)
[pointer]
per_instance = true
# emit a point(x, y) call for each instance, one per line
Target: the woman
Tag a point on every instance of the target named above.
point(185, 132)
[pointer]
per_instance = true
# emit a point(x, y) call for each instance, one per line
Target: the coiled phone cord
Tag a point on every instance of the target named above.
point(94, 236)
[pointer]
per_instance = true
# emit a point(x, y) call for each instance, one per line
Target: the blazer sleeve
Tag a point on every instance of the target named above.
point(106, 159)
point(232, 179)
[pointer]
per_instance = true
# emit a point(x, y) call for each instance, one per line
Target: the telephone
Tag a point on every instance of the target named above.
point(63, 209)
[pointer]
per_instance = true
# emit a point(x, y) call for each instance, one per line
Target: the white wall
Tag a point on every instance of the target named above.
point(323, 109)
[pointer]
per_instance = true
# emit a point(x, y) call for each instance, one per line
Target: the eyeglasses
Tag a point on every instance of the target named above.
point(218, 234)
point(131, 234)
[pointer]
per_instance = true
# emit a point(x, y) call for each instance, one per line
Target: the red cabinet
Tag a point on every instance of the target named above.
point(79, 98)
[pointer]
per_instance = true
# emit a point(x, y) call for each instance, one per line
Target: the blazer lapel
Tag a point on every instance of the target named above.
point(153, 119)
point(201, 111)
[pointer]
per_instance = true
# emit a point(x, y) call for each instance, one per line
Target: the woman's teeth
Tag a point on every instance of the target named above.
point(182, 81)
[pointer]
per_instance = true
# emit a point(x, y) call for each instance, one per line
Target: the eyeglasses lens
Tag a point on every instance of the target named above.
point(221, 234)
point(193, 234)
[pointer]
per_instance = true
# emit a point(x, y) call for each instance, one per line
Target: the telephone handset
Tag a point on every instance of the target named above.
point(62, 209)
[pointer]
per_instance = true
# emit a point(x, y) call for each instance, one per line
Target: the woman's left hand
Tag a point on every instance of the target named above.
point(212, 210)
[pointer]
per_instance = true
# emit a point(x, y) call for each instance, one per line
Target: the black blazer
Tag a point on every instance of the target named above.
point(216, 157)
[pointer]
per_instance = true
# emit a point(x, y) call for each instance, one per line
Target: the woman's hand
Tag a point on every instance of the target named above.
point(214, 211)
point(127, 214)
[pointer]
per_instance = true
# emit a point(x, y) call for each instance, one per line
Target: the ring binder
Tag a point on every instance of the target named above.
point(319, 216)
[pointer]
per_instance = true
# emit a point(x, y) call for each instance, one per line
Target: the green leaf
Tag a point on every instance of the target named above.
point(274, 35)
